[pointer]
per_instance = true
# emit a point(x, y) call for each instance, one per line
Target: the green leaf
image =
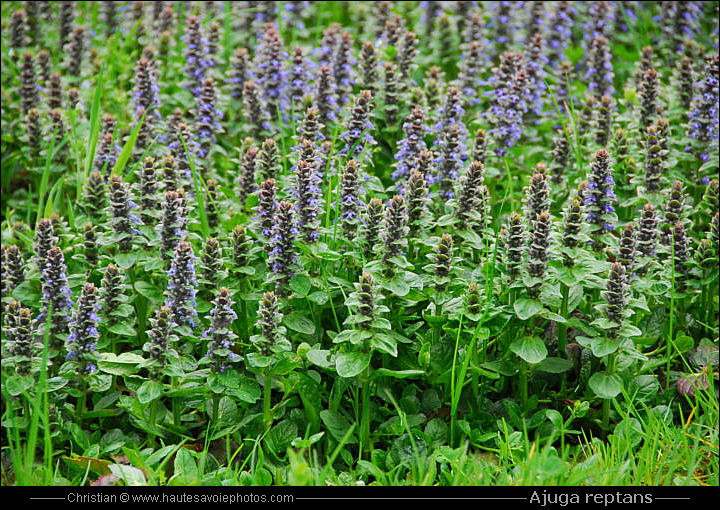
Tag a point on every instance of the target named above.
point(530, 348)
point(18, 384)
point(337, 426)
point(124, 364)
point(397, 286)
point(397, 374)
point(547, 314)
point(281, 437)
point(149, 291)
point(301, 285)
point(127, 148)
point(628, 331)
point(186, 471)
point(501, 367)
point(350, 364)
point(602, 346)
point(249, 390)
point(605, 386)
point(526, 308)
point(300, 323)
point(26, 292)
point(554, 365)
point(132, 476)
point(684, 342)
point(126, 260)
point(384, 343)
point(230, 378)
point(320, 358)
point(122, 329)
point(319, 296)
point(575, 295)
point(149, 391)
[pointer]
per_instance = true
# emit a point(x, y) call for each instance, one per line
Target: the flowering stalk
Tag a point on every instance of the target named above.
point(410, 146)
point(603, 124)
point(147, 191)
point(111, 293)
point(282, 257)
point(90, 248)
point(406, 55)
point(359, 127)
point(703, 116)
point(310, 128)
point(29, 88)
point(390, 94)
point(514, 245)
point(84, 333)
point(207, 118)
point(450, 160)
point(647, 232)
point(395, 231)
point(182, 286)
point(325, 96)
point(212, 262)
point(246, 176)
point(368, 67)
point(473, 199)
point(416, 193)
point(75, 49)
point(146, 99)
point(685, 82)
point(45, 239)
point(222, 338)
point(537, 194)
point(265, 210)
point(161, 340)
point(349, 201)
point(195, 57)
point(538, 252)
point(298, 78)
point(13, 273)
point(535, 63)
point(674, 211)
point(121, 217)
point(308, 195)
point(56, 292)
point(268, 72)
point(172, 222)
point(434, 83)
point(442, 259)
point(648, 97)
point(600, 71)
point(372, 223)
point(255, 110)
point(343, 63)
point(268, 160)
point(654, 162)
point(20, 347)
point(480, 147)
point(239, 72)
point(600, 195)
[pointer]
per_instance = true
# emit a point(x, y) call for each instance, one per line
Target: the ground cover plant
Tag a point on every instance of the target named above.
point(346, 243)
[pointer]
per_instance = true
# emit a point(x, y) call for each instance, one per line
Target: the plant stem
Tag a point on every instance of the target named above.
point(562, 333)
point(523, 384)
point(153, 419)
point(365, 434)
point(606, 403)
point(267, 411)
point(175, 406)
point(81, 403)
